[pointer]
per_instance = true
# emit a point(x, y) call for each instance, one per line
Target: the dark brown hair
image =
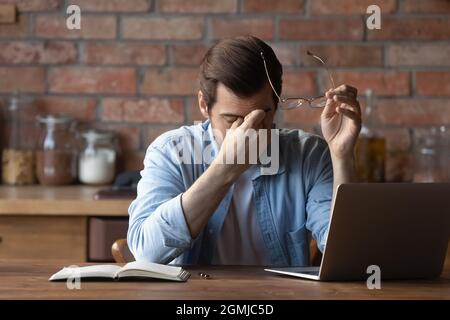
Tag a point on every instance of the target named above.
point(237, 64)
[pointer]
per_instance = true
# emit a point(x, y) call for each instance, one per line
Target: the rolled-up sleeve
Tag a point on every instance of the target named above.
point(319, 171)
point(157, 230)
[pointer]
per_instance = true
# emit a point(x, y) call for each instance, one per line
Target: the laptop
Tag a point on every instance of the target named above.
point(402, 228)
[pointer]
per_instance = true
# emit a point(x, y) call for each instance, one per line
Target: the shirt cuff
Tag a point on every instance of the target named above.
point(173, 224)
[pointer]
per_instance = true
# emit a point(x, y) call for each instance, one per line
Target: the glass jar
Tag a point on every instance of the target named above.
point(445, 152)
point(97, 161)
point(56, 159)
point(427, 155)
point(18, 157)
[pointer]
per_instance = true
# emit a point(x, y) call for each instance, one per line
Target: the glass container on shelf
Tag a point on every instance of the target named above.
point(97, 160)
point(18, 157)
point(56, 158)
point(428, 155)
point(445, 154)
point(370, 152)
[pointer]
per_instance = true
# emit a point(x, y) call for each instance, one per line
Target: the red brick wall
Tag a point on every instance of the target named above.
point(133, 65)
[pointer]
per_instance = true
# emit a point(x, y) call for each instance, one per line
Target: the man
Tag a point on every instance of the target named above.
point(214, 212)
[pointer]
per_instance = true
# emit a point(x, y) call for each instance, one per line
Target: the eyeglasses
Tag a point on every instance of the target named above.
point(292, 103)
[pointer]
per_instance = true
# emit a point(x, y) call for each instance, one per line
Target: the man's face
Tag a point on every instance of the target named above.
point(229, 107)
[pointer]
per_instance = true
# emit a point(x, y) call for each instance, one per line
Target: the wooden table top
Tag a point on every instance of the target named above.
point(61, 200)
point(30, 281)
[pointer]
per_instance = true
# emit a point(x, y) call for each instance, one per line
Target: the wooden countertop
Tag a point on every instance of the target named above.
point(63, 200)
point(30, 281)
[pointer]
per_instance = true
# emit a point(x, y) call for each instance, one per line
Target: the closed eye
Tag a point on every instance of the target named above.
point(230, 119)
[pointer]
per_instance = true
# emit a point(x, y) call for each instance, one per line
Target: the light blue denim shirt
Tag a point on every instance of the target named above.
point(290, 204)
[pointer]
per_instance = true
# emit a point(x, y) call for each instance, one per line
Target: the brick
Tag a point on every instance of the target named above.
point(198, 6)
point(155, 132)
point(414, 112)
point(286, 53)
point(347, 55)
point(20, 52)
point(299, 84)
point(418, 55)
point(347, 7)
point(321, 29)
point(412, 28)
point(34, 5)
point(92, 80)
point(113, 5)
point(81, 109)
point(188, 54)
point(152, 110)
point(384, 83)
point(129, 137)
point(429, 6)
point(176, 28)
point(304, 117)
point(92, 27)
point(232, 27)
point(16, 30)
point(23, 79)
point(279, 6)
point(433, 83)
point(124, 53)
point(170, 81)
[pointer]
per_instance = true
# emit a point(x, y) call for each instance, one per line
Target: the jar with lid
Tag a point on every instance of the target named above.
point(97, 160)
point(56, 158)
point(428, 152)
point(18, 157)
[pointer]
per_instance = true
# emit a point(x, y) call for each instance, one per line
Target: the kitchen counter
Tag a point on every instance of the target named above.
point(54, 223)
point(77, 200)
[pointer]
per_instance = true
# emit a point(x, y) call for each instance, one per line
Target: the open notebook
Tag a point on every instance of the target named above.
point(135, 269)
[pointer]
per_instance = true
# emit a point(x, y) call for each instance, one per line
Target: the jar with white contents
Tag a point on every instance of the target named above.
point(97, 160)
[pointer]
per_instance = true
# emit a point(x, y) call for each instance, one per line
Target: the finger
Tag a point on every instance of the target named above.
point(350, 114)
point(348, 107)
point(345, 94)
point(237, 123)
point(348, 101)
point(351, 91)
point(252, 119)
point(329, 94)
point(332, 93)
point(329, 109)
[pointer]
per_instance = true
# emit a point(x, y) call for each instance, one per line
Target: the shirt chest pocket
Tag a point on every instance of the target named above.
point(298, 247)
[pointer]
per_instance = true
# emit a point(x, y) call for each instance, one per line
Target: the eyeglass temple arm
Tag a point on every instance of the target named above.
point(268, 77)
point(324, 65)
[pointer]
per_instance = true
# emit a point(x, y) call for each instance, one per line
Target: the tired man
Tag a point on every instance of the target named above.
point(210, 211)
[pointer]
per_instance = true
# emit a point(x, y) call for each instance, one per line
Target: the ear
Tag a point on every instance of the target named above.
point(202, 104)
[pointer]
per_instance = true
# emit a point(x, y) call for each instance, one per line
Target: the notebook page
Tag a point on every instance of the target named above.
point(152, 267)
point(104, 271)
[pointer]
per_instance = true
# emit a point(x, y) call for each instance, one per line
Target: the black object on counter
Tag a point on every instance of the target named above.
point(125, 187)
